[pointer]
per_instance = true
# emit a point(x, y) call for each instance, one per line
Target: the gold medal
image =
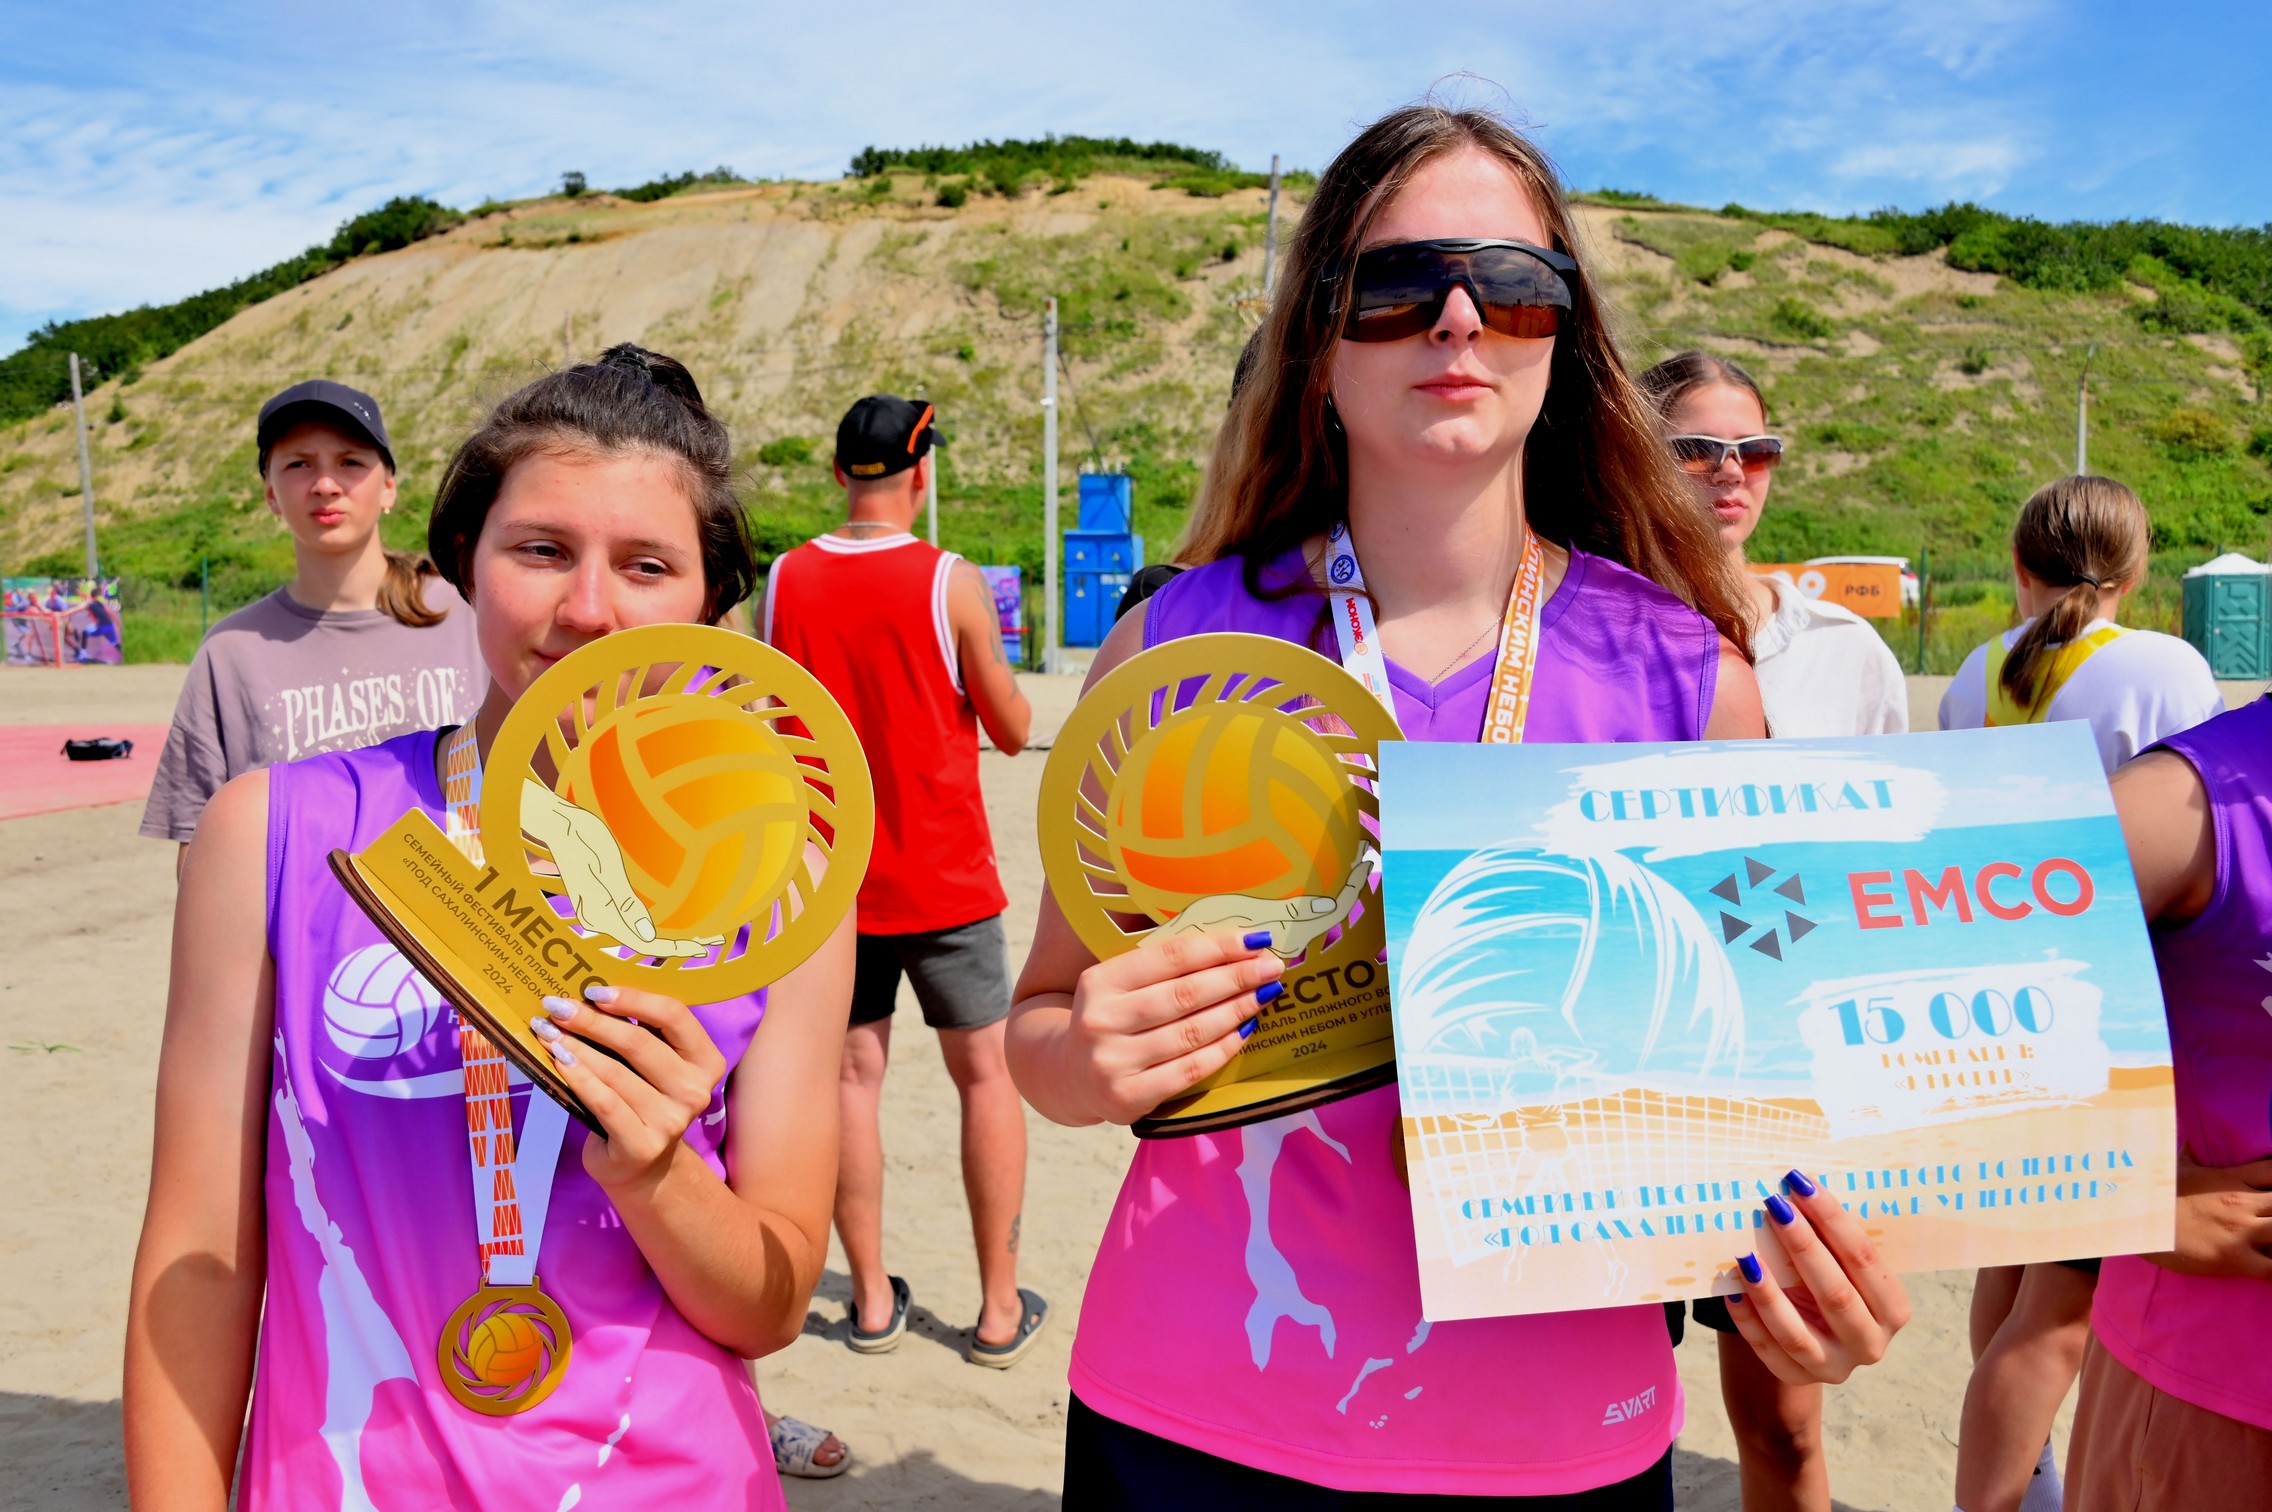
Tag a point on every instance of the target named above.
point(504, 1350)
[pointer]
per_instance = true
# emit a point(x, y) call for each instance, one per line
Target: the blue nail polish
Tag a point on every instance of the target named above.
point(1779, 1210)
point(544, 1029)
point(1737, 1300)
point(600, 992)
point(1749, 1265)
point(560, 1007)
point(1246, 1030)
point(1270, 992)
point(1259, 940)
point(1797, 1184)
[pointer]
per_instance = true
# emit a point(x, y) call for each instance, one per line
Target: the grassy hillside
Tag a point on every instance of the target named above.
point(1925, 392)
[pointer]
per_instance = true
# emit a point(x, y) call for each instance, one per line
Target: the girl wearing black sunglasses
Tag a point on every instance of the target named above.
point(1434, 392)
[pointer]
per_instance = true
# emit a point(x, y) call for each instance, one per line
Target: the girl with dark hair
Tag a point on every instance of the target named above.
point(1435, 392)
point(1822, 670)
point(309, 1231)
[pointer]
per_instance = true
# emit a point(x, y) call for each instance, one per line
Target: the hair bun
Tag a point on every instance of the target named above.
point(666, 373)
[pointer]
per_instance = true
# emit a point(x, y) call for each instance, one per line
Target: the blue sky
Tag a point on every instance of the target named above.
point(148, 151)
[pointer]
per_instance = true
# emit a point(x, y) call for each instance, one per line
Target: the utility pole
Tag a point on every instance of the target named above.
point(2082, 410)
point(1049, 653)
point(1270, 235)
point(931, 494)
point(86, 469)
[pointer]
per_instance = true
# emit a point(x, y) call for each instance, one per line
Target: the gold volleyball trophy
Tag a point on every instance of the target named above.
point(1227, 783)
point(676, 808)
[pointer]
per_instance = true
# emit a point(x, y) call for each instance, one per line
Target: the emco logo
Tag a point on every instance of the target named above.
point(1630, 1408)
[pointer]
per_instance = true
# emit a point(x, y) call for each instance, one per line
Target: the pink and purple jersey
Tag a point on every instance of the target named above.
point(371, 1240)
point(2203, 1339)
point(1256, 1294)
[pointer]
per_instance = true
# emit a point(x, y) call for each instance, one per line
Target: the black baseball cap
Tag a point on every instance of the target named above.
point(349, 411)
point(881, 435)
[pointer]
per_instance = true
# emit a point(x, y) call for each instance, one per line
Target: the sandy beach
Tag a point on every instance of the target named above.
point(89, 905)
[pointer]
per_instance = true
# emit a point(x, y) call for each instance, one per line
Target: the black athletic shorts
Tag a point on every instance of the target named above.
point(1712, 1312)
point(961, 975)
point(1111, 1467)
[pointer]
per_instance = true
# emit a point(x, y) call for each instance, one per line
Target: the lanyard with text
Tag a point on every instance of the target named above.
point(1509, 710)
point(512, 1183)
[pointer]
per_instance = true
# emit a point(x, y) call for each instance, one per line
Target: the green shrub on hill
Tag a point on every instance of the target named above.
point(38, 374)
point(786, 451)
point(1009, 167)
point(2078, 256)
point(2188, 433)
point(720, 177)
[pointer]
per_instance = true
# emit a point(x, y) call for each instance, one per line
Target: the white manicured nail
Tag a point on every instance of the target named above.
point(600, 992)
point(560, 1007)
point(544, 1029)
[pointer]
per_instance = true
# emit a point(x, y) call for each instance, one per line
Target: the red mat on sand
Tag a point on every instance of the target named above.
point(35, 777)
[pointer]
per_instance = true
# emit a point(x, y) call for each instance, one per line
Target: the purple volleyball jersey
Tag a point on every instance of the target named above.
point(2180, 1332)
point(371, 1240)
point(1256, 1294)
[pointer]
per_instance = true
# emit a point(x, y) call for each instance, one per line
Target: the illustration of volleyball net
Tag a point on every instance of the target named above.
point(1633, 1154)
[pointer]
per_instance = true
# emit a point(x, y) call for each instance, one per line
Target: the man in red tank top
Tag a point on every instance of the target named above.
point(905, 636)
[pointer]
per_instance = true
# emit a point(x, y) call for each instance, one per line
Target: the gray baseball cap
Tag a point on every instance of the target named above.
point(351, 411)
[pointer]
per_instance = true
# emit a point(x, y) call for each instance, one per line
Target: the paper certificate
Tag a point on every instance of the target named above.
point(1633, 985)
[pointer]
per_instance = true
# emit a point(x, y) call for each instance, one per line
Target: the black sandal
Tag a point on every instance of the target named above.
point(1002, 1356)
point(885, 1339)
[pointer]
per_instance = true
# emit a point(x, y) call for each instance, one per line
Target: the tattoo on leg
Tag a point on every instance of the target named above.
point(1014, 1223)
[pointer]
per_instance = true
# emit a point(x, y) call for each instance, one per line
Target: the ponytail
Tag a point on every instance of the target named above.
point(2082, 535)
point(403, 595)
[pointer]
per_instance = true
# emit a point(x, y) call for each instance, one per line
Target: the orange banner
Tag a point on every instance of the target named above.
point(1870, 589)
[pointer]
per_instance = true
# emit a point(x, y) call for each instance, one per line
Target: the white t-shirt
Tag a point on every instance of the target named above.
point(1823, 671)
point(2135, 690)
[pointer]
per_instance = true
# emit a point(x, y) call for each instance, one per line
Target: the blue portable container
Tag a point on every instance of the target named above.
point(1098, 565)
point(1107, 503)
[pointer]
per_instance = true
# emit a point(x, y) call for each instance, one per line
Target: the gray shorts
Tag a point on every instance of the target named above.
point(961, 975)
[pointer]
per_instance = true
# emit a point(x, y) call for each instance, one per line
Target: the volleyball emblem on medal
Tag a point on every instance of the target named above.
point(697, 800)
point(1224, 784)
point(504, 1349)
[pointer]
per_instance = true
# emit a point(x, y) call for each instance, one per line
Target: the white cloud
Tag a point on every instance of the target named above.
point(155, 150)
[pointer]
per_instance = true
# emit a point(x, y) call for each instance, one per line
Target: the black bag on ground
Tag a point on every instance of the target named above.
point(101, 748)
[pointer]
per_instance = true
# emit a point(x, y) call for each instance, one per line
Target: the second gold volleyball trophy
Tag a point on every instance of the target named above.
point(676, 808)
point(1226, 784)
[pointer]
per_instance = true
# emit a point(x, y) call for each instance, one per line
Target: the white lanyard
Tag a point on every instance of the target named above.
point(512, 1180)
point(1512, 670)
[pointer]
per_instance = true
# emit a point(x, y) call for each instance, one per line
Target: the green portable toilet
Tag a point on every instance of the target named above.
point(2228, 616)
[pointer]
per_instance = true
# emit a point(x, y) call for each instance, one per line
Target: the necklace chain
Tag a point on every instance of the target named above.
point(1463, 653)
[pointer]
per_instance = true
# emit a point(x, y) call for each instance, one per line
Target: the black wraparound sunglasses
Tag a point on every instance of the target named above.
point(1399, 290)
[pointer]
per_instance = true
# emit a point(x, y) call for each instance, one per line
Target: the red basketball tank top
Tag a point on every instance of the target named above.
point(869, 619)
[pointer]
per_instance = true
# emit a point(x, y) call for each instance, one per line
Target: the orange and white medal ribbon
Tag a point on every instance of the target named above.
point(506, 1347)
point(1508, 713)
